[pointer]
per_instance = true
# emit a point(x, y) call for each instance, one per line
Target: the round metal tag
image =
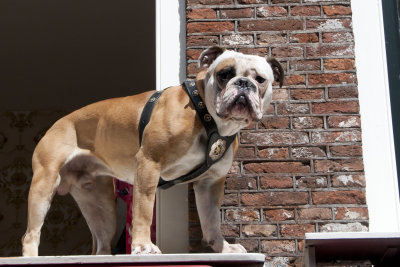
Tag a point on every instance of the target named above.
point(217, 149)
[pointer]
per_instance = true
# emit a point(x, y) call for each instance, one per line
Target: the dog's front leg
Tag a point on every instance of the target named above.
point(209, 196)
point(145, 186)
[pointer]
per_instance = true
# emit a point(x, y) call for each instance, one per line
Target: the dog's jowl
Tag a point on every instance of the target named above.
point(82, 151)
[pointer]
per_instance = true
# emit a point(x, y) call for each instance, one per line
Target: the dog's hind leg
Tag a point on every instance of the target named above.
point(97, 204)
point(44, 185)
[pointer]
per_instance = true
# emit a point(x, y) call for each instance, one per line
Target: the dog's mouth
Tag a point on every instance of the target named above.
point(240, 108)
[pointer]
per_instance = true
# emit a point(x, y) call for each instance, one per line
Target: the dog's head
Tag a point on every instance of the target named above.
point(237, 87)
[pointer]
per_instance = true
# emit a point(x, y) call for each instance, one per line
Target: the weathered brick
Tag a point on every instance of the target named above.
point(308, 152)
point(306, 94)
point(274, 153)
point(346, 151)
point(292, 108)
point(328, 24)
point(294, 79)
point(267, 38)
point(209, 2)
point(210, 26)
point(287, 51)
point(230, 200)
point(245, 2)
point(305, 11)
point(344, 227)
point(193, 54)
point(242, 215)
point(337, 37)
point(235, 169)
point(305, 65)
point(342, 92)
point(339, 197)
point(332, 107)
point(304, 38)
point(284, 1)
point(315, 214)
point(275, 198)
point(237, 39)
point(277, 167)
point(296, 230)
point(342, 165)
point(241, 183)
point(308, 122)
point(268, 182)
point(336, 10)
point(278, 247)
point(335, 137)
point(201, 13)
point(339, 64)
point(257, 230)
point(274, 138)
point(344, 122)
point(311, 182)
point(271, 11)
point(270, 25)
point(348, 180)
point(202, 40)
point(236, 13)
point(351, 213)
point(280, 94)
point(332, 78)
point(329, 50)
point(279, 215)
point(230, 230)
point(274, 123)
point(261, 51)
point(245, 152)
point(251, 245)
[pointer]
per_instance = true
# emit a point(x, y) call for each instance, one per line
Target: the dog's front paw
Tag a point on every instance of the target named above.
point(149, 248)
point(233, 248)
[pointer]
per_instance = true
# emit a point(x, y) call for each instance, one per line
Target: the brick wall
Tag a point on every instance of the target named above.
point(300, 168)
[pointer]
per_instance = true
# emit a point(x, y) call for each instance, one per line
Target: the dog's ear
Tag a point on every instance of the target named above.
point(209, 55)
point(277, 69)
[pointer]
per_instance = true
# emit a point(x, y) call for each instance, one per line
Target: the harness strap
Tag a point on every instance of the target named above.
point(217, 144)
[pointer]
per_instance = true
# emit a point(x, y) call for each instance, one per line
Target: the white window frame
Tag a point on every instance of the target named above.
point(376, 120)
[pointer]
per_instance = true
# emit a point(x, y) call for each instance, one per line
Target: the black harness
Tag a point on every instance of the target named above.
point(217, 144)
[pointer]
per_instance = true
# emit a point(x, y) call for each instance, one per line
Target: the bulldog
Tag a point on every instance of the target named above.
point(82, 151)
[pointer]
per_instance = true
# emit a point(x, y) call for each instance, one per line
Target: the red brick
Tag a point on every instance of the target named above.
point(327, 50)
point(268, 182)
point(274, 138)
point(245, 2)
point(332, 78)
point(237, 39)
point(274, 123)
point(344, 122)
point(305, 11)
point(339, 64)
point(193, 54)
point(308, 123)
point(201, 13)
point(339, 165)
point(336, 10)
point(259, 230)
point(339, 197)
point(274, 198)
point(337, 136)
point(280, 94)
point(241, 183)
point(271, 11)
point(296, 230)
point(348, 180)
point(236, 13)
point(335, 107)
point(277, 167)
point(328, 24)
point(266, 39)
point(284, 1)
point(311, 182)
point(245, 152)
point(209, 2)
point(211, 26)
point(306, 94)
point(346, 151)
point(294, 79)
point(279, 215)
point(251, 245)
point(262, 51)
point(274, 153)
point(292, 108)
point(242, 215)
point(230, 200)
point(305, 65)
point(308, 152)
point(202, 40)
point(278, 247)
point(271, 25)
point(342, 92)
point(230, 230)
point(304, 38)
point(337, 37)
point(287, 51)
point(315, 214)
point(351, 213)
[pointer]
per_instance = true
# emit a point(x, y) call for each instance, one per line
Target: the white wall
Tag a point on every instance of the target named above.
point(377, 134)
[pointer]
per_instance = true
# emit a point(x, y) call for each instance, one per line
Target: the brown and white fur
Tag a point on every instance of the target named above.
point(81, 151)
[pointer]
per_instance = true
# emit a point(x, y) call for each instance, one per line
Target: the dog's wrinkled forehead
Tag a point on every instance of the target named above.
point(242, 64)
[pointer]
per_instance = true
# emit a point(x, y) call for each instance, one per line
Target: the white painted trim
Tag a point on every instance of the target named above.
point(172, 204)
point(377, 133)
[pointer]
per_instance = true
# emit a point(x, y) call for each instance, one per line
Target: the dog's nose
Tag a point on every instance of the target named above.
point(244, 83)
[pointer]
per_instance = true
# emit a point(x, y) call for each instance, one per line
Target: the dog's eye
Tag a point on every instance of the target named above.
point(226, 74)
point(260, 79)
